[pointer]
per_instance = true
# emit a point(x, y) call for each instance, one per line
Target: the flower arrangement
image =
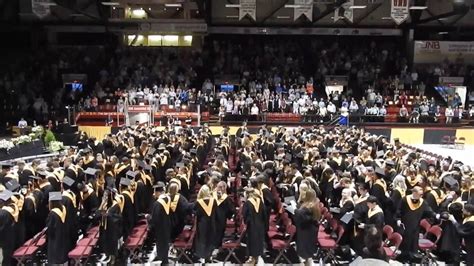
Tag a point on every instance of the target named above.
point(22, 139)
point(6, 145)
point(36, 132)
point(55, 146)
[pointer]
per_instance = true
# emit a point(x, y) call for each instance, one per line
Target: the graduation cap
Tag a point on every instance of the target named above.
point(5, 195)
point(68, 181)
point(380, 153)
point(141, 164)
point(288, 157)
point(390, 163)
point(160, 186)
point(179, 165)
point(34, 177)
point(449, 179)
point(162, 147)
point(41, 173)
point(110, 181)
point(151, 151)
point(193, 151)
point(90, 171)
point(169, 171)
point(125, 182)
point(6, 165)
point(55, 196)
point(147, 167)
point(380, 172)
point(131, 174)
point(12, 185)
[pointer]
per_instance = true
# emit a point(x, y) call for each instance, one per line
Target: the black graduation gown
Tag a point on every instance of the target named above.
point(375, 219)
point(466, 231)
point(179, 209)
point(254, 218)
point(306, 232)
point(30, 209)
point(129, 214)
point(393, 203)
point(111, 229)
point(57, 236)
point(356, 234)
point(90, 204)
point(450, 242)
point(269, 203)
point(7, 233)
point(204, 242)
point(411, 218)
point(143, 195)
point(160, 225)
point(69, 201)
point(224, 210)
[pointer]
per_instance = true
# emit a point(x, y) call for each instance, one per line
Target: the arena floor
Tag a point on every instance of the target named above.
point(463, 155)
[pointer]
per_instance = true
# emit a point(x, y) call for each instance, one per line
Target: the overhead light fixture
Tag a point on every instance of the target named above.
point(441, 19)
point(357, 7)
point(443, 32)
point(293, 6)
point(110, 3)
point(418, 7)
point(76, 15)
point(47, 3)
point(283, 17)
point(232, 16)
point(232, 5)
point(173, 5)
point(386, 18)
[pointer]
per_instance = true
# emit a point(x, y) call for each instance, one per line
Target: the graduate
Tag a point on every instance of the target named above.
point(180, 208)
point(412, 210)
point(110, 227)
point(225, 209)
point(466, 231)
point(57, 233)
point(205, 208)
point(129, 212)
point(306, 219)
point(253, 214)
point(70, 202)
point(375, 215)
point(159, 222)
point(8, 219)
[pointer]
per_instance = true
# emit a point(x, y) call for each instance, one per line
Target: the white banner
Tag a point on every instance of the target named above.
point(304, 7)
point(400, 11)
point(437, 51)
point(41, 8)
point(248, 7)
point(346, 11)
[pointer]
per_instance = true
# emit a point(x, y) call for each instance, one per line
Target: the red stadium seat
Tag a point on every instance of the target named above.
point(328, 246)
point(426, 245)
point(394, 242)
point(282, 245)
point(387, 231)
point(184, 245)
point(231, 246)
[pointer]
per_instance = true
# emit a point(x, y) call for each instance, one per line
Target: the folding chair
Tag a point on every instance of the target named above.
point(395, 240)
point(425, 225)
point(283, 245)
point(231, 246)
point(426, 246)
point(183, 245)
point(459, 143)
point(328, 246)
point(445, 141)
point(387, 231)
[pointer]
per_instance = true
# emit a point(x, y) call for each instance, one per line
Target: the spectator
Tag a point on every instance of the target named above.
point(449, 113)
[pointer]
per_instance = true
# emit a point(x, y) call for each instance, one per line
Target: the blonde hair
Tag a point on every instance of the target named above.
point(304, 187)
point(311, 202)
point(204, 192)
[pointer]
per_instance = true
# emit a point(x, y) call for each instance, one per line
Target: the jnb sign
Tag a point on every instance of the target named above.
point(430, 45)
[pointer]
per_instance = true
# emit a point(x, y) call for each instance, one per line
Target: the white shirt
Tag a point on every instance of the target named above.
point(254, 110)
point(22, 124)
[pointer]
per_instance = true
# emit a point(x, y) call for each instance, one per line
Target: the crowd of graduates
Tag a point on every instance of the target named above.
point(180, 176)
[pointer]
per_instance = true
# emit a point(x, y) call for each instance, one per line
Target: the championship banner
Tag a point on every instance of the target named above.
point(400, 11)
point(41, 8)
point(248, 7)
point(304, 8)
point(426, 52)
point(345, 11)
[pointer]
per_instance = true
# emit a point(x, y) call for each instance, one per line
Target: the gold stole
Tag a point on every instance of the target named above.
point(89, 191)
point(413, 206)
point(438, 197)
point(338, 160)
point(361, 199)
point(174, 202)
point(206, 207)
point(145, 178)
point(458, 200)
point(60, 213)
point(381, 183)
point(33, 200)
point(88, 160)
point(44, 184)
point(29, 169)
point(373, 212)
point(70, 195)
point(120, 201)
point(255, 203)
point(468, 219)
point(219, 201)
point(166, 206)
point(129, 194)
point(185, 178)
point(413, 182)
point(59, 174)
point(73, 169)
point(401, 191)
point(119, 169)
point(13, 211)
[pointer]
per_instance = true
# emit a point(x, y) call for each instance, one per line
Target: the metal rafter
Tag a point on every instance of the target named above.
point(330, 8)
point(273, 12)
point(367, 13)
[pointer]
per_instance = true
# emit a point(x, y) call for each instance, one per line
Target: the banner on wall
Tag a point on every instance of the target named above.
point(41, 8)
point(400, 11)
point(438, 51)
point(304, 8)
point(248, 7)
point(345, 11)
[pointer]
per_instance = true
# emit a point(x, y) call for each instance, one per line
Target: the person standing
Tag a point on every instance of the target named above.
point(254, 218)
point(57, 233)
point(8, 220)
point(110, 226)
point(306, 220)
point(466, 231)
point(205, 223)
point(160, 222)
